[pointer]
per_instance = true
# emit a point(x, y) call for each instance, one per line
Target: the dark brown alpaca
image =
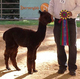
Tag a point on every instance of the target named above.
point(15, 37)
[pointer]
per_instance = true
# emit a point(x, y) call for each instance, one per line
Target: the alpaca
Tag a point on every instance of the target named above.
point(16, 37)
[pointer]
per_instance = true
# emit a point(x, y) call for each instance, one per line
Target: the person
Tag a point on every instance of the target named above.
point(73, 8)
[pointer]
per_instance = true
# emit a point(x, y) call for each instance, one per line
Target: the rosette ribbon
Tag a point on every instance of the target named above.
point(65, 37)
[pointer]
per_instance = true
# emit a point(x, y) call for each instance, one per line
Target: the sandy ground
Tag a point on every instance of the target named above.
point(46, 62)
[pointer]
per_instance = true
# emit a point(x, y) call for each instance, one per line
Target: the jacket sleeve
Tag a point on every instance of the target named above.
point(51, 7)
point(76, 10)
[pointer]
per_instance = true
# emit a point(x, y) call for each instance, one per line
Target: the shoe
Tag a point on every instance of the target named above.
point(61, 71)
point(72, 73)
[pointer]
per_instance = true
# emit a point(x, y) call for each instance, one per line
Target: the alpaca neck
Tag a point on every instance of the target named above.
point(41, 28)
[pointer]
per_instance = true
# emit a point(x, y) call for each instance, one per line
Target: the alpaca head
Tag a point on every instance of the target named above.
point(45, 17)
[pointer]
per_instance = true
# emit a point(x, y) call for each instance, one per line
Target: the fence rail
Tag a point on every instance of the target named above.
point(9, 3)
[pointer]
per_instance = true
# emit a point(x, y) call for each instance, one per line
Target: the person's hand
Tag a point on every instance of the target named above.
point(70, 13)
point(52, 18)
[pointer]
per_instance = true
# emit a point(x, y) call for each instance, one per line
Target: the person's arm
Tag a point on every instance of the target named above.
point(51, 8)
point(76, 10)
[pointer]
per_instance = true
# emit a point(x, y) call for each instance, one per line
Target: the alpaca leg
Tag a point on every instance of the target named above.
point(30, 61)
point(34, 70)
point(34, 58)
point(6, 57)
point(13, 58)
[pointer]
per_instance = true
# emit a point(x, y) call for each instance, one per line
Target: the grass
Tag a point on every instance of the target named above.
point(24, 22)
point(78, 23)
point(27, 23)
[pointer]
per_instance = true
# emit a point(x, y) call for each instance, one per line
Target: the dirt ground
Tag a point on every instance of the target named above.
point(46, 62)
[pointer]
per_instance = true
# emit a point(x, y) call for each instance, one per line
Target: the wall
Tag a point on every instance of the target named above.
point(30, 8)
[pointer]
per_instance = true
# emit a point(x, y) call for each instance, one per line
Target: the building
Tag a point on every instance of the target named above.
point(22, 9)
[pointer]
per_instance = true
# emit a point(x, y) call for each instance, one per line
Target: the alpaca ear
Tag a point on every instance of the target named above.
point(40, 12)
